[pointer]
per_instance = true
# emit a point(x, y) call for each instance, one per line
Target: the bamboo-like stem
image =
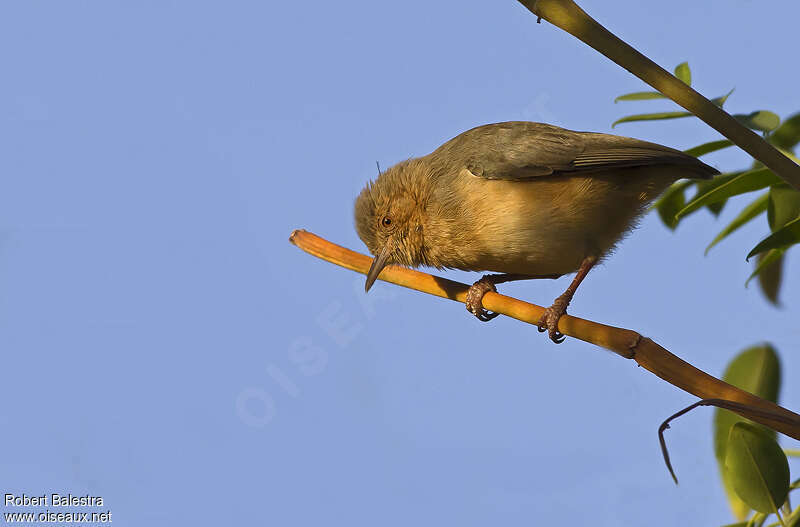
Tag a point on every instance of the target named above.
point(624, 342)
point(568, 16)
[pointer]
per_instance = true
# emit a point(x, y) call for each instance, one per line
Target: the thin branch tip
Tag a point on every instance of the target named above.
point(739, 408)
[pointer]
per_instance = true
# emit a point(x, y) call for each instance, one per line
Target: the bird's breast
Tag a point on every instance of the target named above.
point(541, 226)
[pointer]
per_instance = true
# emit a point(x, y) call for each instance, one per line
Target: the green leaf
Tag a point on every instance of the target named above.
point(782, 238)
point(762, 120)
point(683, 72)
point(725, 186)
point(651, 117)
point(751, 211)
point(640, 96)
point(763, 261)
point(783, 209)
point(784, 206)
point(757, 468)
point(670, 202)
point(703, 187)
point(769, 269)
point(719, 101)
point(788, 134)
point(716, 208)
point(707, 148)
point(758, 371)
point(708, 185)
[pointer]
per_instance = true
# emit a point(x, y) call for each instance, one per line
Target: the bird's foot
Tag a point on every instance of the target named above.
point(550, 318)
point(474, 299)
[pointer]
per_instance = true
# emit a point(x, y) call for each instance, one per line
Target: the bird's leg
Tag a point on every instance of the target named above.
point(549, 320)
point(487, 283)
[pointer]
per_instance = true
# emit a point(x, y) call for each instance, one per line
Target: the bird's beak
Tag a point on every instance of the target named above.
point(378, 263)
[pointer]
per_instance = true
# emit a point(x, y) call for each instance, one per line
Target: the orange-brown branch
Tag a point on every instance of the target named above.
point(624, 342)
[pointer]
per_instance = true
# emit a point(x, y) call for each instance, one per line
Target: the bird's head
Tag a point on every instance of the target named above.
point(389, 216)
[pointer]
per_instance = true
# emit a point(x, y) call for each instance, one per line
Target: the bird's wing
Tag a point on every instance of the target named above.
point(522, 150)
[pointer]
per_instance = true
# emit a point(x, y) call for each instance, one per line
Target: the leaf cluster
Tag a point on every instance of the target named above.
point(754, 470)
point(768, 193)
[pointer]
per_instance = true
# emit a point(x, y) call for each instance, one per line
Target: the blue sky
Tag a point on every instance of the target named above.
point(166, 348)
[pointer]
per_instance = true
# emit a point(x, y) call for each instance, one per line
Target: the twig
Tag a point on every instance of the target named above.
point(719, 403)
point(624, 342)
point(568, 16)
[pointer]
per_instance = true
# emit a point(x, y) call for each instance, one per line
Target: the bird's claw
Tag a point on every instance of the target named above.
point(485, 316)
point(549, 322)
point(474, 299)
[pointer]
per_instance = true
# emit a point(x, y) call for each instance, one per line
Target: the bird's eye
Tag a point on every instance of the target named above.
point(386, 221)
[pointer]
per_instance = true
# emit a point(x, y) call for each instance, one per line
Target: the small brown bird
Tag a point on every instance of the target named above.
point(528, 200)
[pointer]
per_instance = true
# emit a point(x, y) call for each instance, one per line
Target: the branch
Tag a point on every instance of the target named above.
point(719, 403)
point(624, 342)
point(568, 16)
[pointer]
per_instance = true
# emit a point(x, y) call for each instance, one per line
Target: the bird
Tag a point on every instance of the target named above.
point(520, 199)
